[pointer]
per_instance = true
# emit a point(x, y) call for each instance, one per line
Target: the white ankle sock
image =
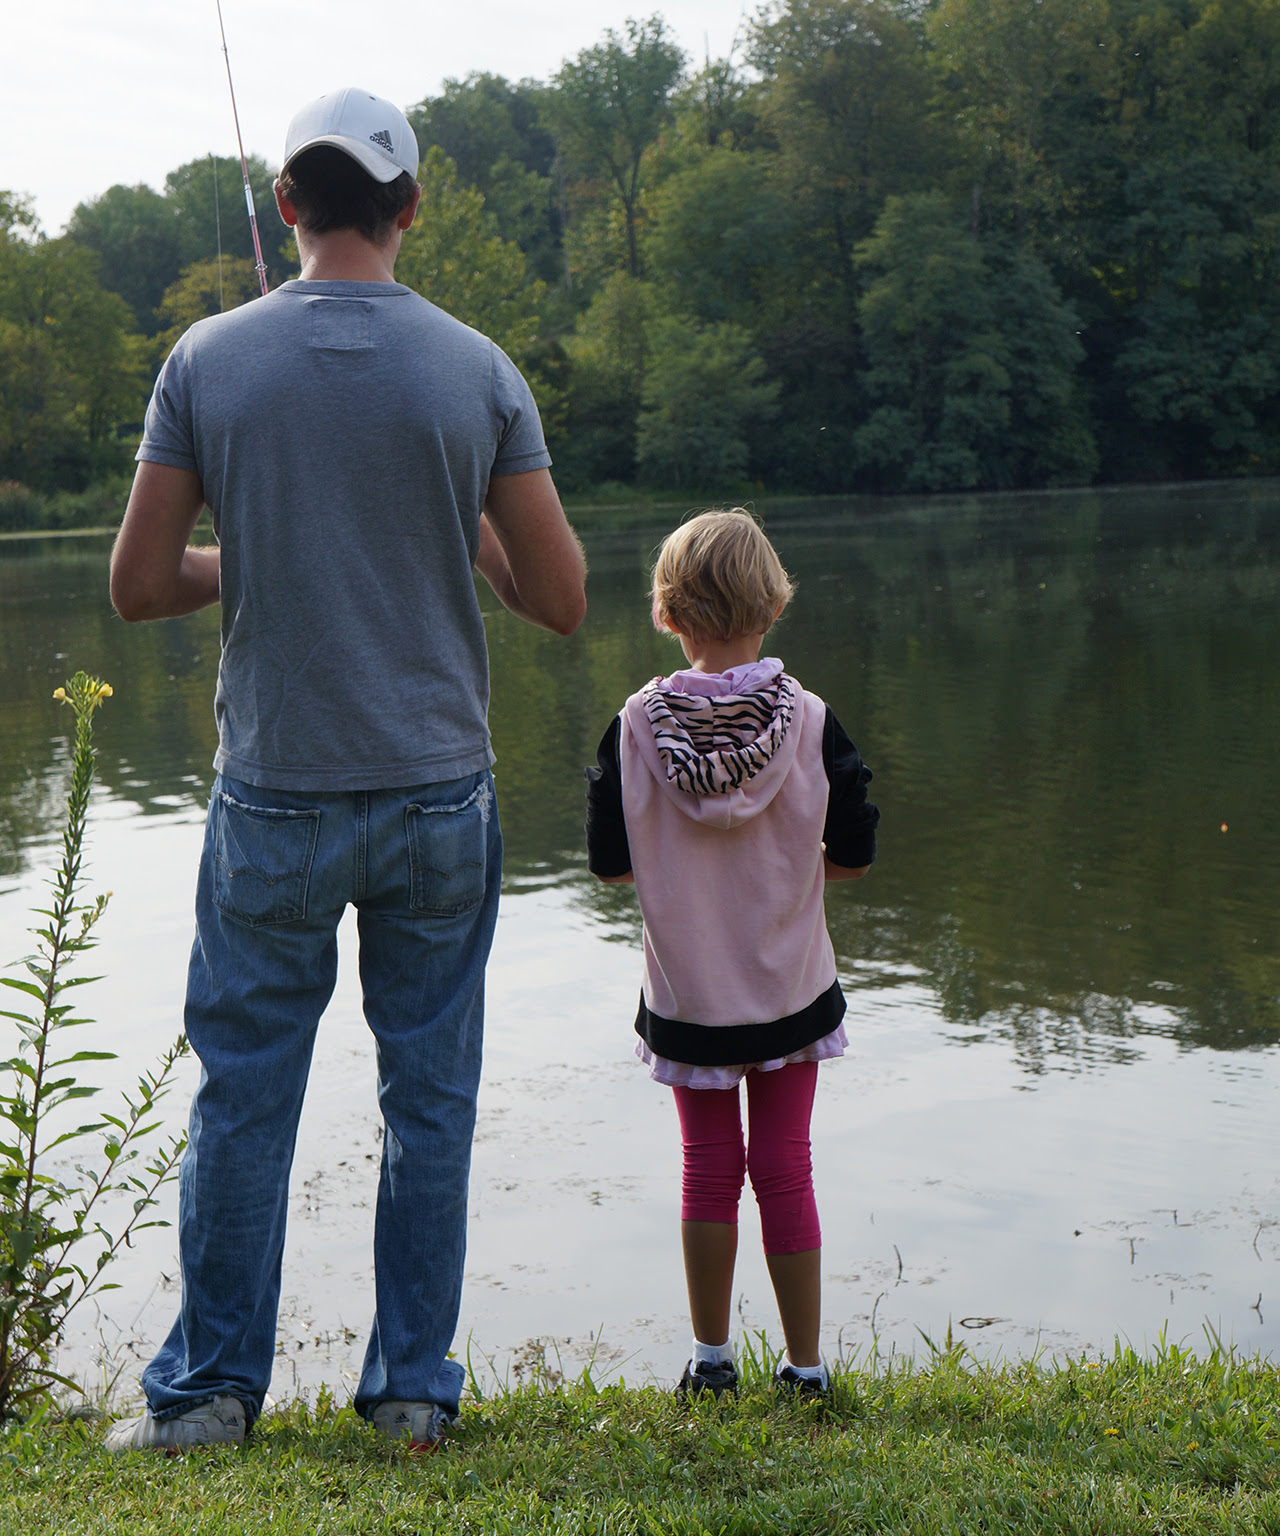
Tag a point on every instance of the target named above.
point(712, 1354)
point(816, 1373)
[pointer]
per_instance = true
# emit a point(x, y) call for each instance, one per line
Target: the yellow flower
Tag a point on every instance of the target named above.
point(105, 691)
point(1194, 1446)
point(1110, 1431)
point(60, 694)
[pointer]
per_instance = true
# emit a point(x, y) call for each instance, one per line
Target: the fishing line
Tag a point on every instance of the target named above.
point(244, 165)
point(217, 224)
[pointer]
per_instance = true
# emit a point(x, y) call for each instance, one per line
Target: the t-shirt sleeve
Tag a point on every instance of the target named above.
point(608, 851)
point(521, 445)
point(168, 436)
point(850, 830)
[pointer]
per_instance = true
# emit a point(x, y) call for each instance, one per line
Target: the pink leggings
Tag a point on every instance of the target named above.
point(715, 1160)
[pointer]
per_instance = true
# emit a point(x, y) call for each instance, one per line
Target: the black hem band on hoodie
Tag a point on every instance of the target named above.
point(732, 1045)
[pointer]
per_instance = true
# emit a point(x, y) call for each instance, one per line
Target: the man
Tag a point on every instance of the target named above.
point(361, 452)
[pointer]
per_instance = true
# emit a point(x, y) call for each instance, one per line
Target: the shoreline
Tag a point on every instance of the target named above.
point(645, 507)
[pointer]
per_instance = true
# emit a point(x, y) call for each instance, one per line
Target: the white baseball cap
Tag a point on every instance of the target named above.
point(374, 132)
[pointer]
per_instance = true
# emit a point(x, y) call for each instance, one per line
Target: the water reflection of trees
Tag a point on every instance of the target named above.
point(155, 743)
point(1063, 697)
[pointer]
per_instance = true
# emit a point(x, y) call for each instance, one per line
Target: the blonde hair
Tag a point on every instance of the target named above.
point(717, 577)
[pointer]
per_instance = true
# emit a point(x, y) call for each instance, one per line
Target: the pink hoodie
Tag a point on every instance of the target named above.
point(729, 876)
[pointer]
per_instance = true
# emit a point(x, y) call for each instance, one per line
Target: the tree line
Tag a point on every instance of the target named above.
point(888, 245)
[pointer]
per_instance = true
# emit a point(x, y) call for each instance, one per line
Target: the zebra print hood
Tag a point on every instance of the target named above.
point(719, 744)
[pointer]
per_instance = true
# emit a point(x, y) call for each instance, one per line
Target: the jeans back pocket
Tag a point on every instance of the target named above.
point(262, 861)
point(448, 847)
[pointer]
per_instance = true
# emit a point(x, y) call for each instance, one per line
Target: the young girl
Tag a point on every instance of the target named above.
point(728, 794)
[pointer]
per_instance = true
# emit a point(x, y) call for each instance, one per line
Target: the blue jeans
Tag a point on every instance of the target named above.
point(422, 867)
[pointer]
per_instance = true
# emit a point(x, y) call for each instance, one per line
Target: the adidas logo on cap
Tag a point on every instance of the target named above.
point(383, 140)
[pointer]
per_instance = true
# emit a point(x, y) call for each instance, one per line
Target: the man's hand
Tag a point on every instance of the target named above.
point(154, 575)
point(529, 554)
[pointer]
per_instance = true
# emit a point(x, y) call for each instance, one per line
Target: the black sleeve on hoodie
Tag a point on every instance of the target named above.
point(608, 852)
point(850, 830)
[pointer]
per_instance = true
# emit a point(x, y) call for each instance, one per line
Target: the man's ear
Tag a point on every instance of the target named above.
point(285, 208)
point(409, 212)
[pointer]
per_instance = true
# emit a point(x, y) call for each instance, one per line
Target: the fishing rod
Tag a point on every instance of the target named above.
point(244, 165)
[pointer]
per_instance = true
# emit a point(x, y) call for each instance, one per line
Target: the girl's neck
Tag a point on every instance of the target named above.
point(721, 655)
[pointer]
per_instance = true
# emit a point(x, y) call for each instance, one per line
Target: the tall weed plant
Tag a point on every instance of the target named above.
point(54, 1248)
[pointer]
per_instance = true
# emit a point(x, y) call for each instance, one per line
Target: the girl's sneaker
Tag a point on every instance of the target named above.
point(716, 1379)
point(787, 1379)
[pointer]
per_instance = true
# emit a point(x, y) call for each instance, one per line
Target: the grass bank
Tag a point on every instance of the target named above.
point(1127, 1444)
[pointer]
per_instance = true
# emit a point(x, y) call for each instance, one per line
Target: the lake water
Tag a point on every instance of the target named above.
point(1058, 1120)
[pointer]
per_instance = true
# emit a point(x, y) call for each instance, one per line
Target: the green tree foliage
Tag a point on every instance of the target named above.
point(609, 106)
point(199, 212)
point(145, 239)
point(1227, 81)
point(971, 360)
point(704, 389)
point(718, 109)
point(72, 370)
point(1200, 366)
point(1091, 186)
point(608, 353)
point(454, 255)
point(1028, 83)
point(138, 242)
point(723, 238)
point(847, 83)
point(204, 288)
point(492, 131)
point(728, 241)
point(844, 99)
point(17, 216)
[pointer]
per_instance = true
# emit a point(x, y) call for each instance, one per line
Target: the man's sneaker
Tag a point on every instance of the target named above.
point(421, 1424)
point(714, 1378)
point(788, 1380)
point(220, 1422)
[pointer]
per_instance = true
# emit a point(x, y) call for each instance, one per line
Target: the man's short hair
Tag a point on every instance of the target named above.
point(330, 191)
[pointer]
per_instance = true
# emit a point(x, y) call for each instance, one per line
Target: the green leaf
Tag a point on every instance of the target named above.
point(28, 987)
point(80, 1130)
point(55, 1085)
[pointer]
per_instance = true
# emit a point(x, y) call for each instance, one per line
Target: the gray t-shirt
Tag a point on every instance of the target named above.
point(345, 434)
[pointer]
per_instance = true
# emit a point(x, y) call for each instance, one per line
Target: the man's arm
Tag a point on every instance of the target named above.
point(154, 575)
point(529, 554)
